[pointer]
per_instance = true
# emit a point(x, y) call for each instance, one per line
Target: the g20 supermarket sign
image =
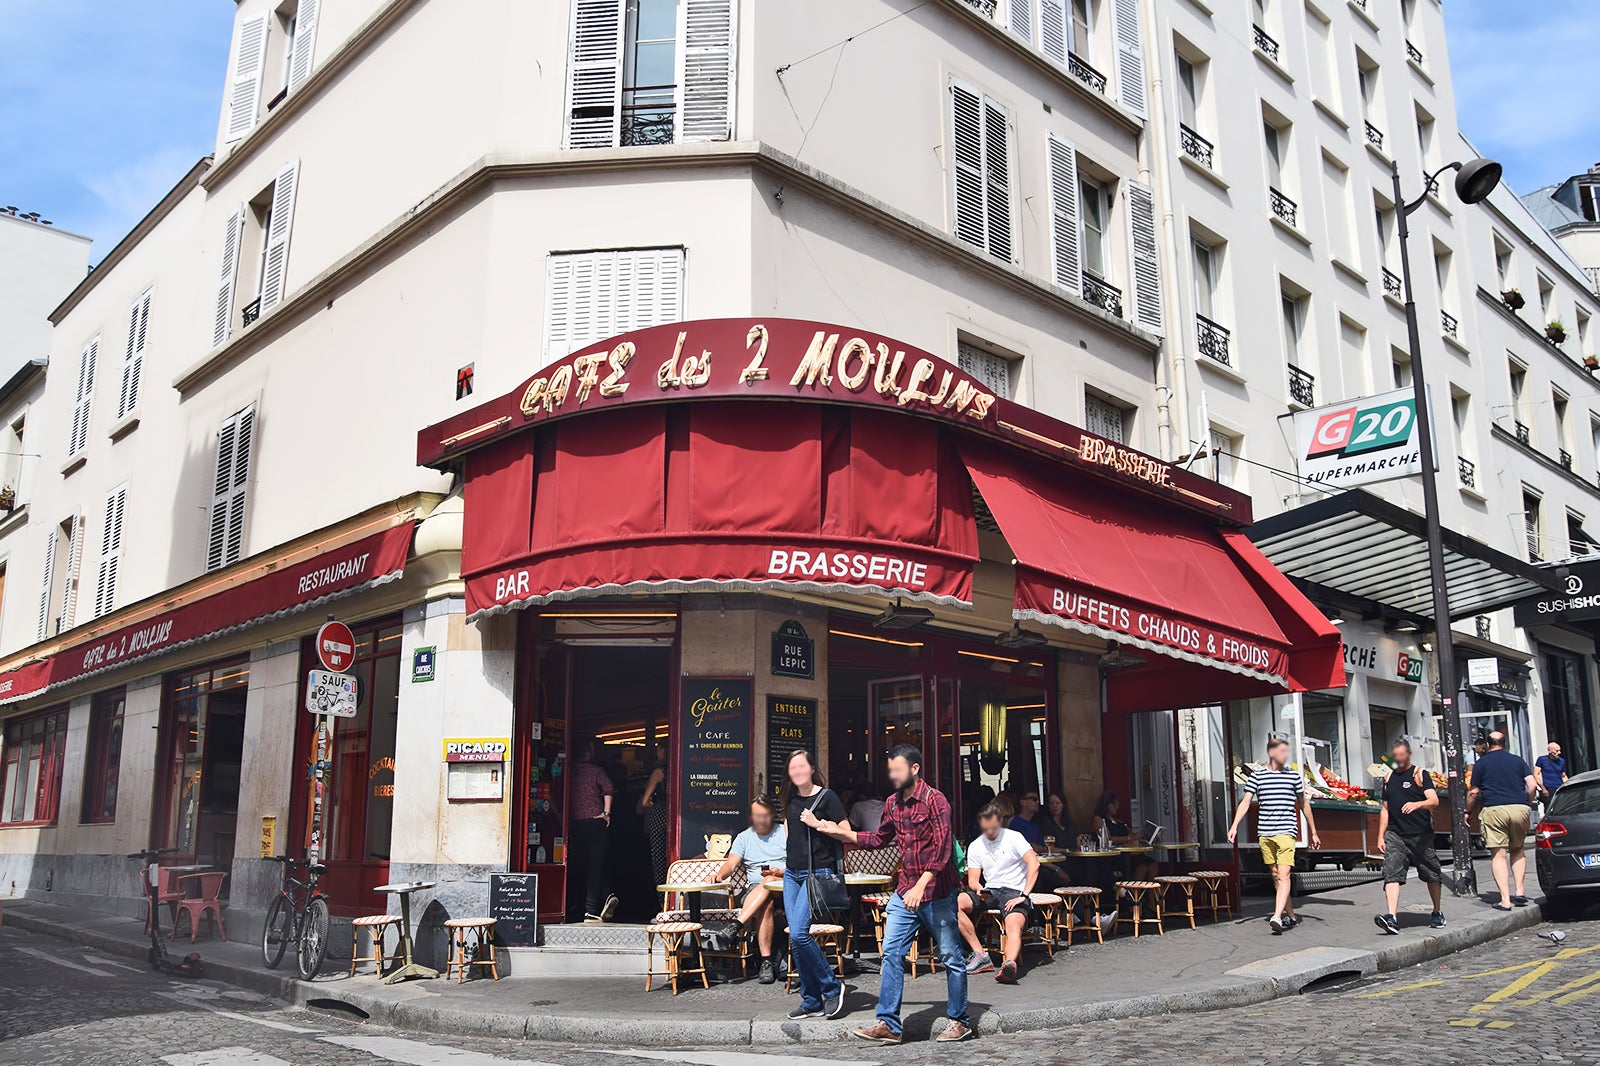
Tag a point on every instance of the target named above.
point(1359, 441)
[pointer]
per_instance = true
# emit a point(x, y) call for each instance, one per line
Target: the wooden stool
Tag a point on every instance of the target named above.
point(1073, 895)
point(377, 925)
point(830, 938)
point(1217, 892)
point(876, 906)
point(1047, 913)
point(482, 949)
point(674, 935)
point(1186, 884)
point(1140, 892)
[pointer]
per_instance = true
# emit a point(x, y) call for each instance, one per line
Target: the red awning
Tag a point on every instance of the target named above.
point(1149, 577)
point(718, 496)
point(292, 588)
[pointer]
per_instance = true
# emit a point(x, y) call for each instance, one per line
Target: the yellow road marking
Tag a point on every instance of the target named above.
point(1467, 1023)
point(1399, 988)
point(1573, 997)
point(1499, 1025)
point(1520, 983)
point(1540, 997)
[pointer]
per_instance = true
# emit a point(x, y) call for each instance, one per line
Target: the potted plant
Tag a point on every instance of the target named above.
point(8, 499)
point(1555, 331)
point(1591, 363)
point(1512, 298)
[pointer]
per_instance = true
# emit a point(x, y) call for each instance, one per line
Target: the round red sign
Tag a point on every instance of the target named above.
point(336, 646)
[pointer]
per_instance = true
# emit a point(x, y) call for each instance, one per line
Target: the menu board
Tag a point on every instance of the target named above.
point(514, 906)
point(791, 724)
point(715, 760)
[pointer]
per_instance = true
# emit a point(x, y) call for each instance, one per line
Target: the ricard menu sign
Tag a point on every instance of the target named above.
point(714, 759)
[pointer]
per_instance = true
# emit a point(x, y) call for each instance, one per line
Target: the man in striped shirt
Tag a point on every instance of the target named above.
point(1280, 793)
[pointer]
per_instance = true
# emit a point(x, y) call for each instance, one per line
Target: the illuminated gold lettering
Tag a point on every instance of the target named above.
point(858, 348)
point(960, 397)
point(817, 362)
point(620, 357)
point(534, 394)
point(944, 389)
point(667, 376)
point(884, 375)
point(1112, 456)
point(754, 370)
point(981, 403)
point(697, 370)
point(560, 382)
point(588, 367)
point(921, 371)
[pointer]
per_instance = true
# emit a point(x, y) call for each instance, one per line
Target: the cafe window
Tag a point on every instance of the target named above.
point(102, 770)
point(199, 759)
point(31, 788)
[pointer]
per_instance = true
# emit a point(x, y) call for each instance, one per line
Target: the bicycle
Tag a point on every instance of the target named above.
point(188, 966)
point(303, 923)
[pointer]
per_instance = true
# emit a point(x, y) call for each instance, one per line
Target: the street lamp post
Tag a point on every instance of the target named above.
point(1475, 180)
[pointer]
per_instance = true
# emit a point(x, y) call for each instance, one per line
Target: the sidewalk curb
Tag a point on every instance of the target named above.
point(413, 1007)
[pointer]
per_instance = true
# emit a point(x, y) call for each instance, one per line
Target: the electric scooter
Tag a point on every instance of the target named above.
point(188, 966)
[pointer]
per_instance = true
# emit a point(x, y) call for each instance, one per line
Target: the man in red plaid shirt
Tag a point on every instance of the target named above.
point(917, 818)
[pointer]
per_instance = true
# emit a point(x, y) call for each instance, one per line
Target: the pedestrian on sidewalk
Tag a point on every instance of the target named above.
point(1278, 792)
point(917, 818)
point(1502, 788)
point(807, 800)
point(1552, 773)
point(1405, 835)
point(1002, 869)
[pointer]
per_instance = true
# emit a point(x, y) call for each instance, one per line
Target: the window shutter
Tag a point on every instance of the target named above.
point(277, 253)
point(1054, 35)
point(105, 588)
point(85, 395)
point(1067, 252)
point(225, 541)
point(558, 307)
point(1104, 418)
point(133, 361)
point(222, 324)
point(590, 296)
point(993, 371)
point(594, 82)
point(706, 69)
point(244, 100)
point(1130, 55)
point(1019, 19)
point(49, 580)
point(966, 141)
point(997, 168)
point(1146, 272)
point(69, 583)
point(305, 39)
point(242, 455)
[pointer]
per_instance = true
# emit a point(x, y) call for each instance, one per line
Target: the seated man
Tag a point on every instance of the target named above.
point(1001, 871)
point(761, 850)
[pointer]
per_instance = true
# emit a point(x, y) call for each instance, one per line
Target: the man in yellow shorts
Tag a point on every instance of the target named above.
point(1502, 788)
point(1279, 792)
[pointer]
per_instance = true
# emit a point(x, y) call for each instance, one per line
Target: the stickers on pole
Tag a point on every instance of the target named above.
point(332, 693)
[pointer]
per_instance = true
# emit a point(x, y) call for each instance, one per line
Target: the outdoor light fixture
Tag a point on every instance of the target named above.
point(992, 736)
point(1117, 659)
point(899, 616)
point(1021, 638)
point(1476, 179)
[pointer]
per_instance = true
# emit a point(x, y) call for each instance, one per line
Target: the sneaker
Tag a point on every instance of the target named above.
point(879, 1033)
point(1291, 922)
point(1276, 924)
point(1387, 923)
point(979, 962)
point(1519, 901)
point(608, 909)
point(954, 1032)
point(833, 1005)
point(592, 919)
point(767, 975)
point(1106, 922)
point(1437, 921)
point(1007, 974)
point(805, 1012)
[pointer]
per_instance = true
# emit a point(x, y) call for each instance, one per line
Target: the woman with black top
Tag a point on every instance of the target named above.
point(809, 852)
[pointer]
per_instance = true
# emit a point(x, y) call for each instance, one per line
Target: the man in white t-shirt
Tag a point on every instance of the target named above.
point(1001, 871)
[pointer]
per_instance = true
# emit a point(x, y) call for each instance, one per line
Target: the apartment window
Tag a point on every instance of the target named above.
point(1578, 540)
point(1425, 129)
point(230, 488)
point(1105, 418)
point(1502, 263)
point(1083, 30)
point(1321, 59)
point(1336, 204)
point(1367, 81)
point(1547, 294)
point(1292, 308)
point(133, 355)
point(83, 399)
point(58, 594)
point(643, 72)
point(980, 137)
point(1272, 139)
point(30, 788)
point(103, 768)
point(590, 296)
point(1226, 450)
point(1594, 439)
point(1400, 367)
point(110, 561)
point(12, 453)
point(1460, 418)
point(1188, 93)
point(1207, 276)
point(258, 231)
point(1095, 209)
point(1533, 524)
point(1444, 275)
point(1559, 408)
point(1383, 215)
point(993, 370)
point(1589, 201)
point(290, 43)
point(1582, 320)
point(1353, 352)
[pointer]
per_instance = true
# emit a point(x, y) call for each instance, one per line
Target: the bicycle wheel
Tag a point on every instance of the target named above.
point(313, 939)
point(278, 931)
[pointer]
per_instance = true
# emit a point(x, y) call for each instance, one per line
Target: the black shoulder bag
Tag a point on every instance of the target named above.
point(826, 893)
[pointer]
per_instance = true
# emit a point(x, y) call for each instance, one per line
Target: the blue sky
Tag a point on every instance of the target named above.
point(108, 102)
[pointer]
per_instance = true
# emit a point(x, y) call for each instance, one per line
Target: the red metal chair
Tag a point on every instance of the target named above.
point(205, 902)
point(167, 892)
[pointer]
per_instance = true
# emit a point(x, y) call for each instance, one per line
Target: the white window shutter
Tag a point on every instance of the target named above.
point(1146, 267)
point(706, 69)
point(997, 171)
point(222, 323)
point(305, 40)
point(49, 579)
point(966, 146)
point(590, 296)
point(83, 402)
point(1130, 55)
point(243, 453)
point(244, 98)
point(105, 587)
point(278, 227)
point(558, 307)
point(69, 582)
point(594, 82)
point(1019, 19)
point(1054, 33)
point(993, 371)
point(133, 359)
point(1066, 248)
point(229, 489)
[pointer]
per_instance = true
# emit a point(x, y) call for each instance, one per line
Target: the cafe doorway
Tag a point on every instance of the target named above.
point(201, 755)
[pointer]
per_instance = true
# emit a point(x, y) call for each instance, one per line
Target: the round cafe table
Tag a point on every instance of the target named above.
point(1053, 857)
point(866, 880)
point(693, 891)
point(410, 967)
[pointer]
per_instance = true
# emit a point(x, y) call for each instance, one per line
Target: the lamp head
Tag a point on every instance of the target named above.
point(1476, 180)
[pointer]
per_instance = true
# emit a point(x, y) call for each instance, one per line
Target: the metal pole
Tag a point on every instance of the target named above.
point(1464, 880)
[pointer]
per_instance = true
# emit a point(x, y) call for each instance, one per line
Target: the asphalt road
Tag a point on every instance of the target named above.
point(1520, 997)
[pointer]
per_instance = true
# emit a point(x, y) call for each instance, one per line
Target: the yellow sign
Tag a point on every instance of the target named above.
point(269, 835)
point(477, 749)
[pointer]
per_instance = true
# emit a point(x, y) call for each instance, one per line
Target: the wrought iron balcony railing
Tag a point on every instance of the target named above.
point(1266, 44)
point(1392, 285)
point(1449, 323)
point(649, 115)
point(1102, 295)
point(1535, 546)
point(252, 311)
point(1565, 459)
point(983, 7)
point(1414, 53)
point(1086, 74)
point(1467, 471)
point(1302, 387)
point(1374, 136)
point(1196, 147)
point(1284, 207)
point(1212, 340)
point(1523, 436)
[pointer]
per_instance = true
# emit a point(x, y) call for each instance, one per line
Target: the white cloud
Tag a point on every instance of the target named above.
point(127, 192)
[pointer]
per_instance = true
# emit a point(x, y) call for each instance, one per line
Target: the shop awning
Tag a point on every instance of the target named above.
point(1152, 578)
point(282, 590)
point(1355, 546)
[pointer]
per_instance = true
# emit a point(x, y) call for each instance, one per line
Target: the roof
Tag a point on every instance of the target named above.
point(1549, 212)
point(25, 376)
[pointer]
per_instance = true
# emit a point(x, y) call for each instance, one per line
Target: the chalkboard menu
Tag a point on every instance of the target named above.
point(514, 906)
point(791, 724)
point(715, 760)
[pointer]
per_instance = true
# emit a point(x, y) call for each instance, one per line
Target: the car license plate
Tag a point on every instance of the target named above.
point(1590, 861)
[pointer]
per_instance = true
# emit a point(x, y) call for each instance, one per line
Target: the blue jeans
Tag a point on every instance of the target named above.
point(817, 979)
point(938, 916)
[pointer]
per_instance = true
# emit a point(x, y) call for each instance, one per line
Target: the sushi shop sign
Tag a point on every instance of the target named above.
point(1371, 650)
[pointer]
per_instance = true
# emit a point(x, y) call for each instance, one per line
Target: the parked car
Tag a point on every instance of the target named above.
point(1567, 856)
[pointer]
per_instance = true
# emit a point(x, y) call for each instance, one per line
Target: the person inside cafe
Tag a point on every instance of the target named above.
point(592, 792)
point(1108, 813)
point(1002, 869)
point(653, 808)
point(867, 811)
point(761, 849)
point(808, 802)
point(1025, 824)
point(1055, 823)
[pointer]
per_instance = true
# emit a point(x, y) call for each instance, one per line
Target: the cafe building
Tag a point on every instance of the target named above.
point(714, 542)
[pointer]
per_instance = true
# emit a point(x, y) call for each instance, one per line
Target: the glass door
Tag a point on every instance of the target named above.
point(895, 716)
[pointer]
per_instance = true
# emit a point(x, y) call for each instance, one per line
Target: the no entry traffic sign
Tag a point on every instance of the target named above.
point(336, 646)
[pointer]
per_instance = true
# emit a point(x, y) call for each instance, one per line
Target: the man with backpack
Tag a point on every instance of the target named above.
point(1405, 836)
